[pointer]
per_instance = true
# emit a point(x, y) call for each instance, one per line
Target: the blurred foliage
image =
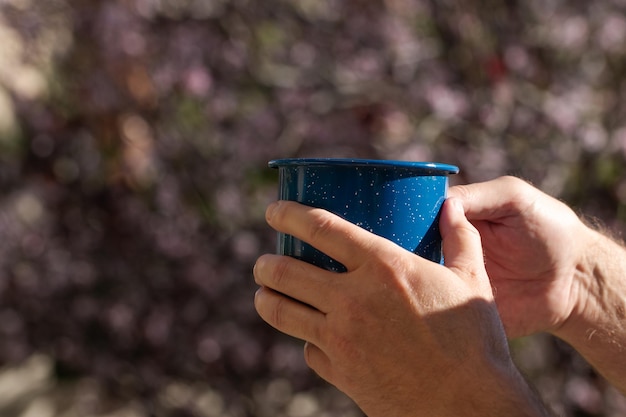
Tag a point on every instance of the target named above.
point(134, 136)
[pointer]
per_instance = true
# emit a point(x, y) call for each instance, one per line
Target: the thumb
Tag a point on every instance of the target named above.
point(462, 248)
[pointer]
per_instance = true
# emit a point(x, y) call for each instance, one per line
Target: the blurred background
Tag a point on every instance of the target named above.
point(134, 140)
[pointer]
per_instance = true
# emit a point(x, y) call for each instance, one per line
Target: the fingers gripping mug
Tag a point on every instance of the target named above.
point(397, 200)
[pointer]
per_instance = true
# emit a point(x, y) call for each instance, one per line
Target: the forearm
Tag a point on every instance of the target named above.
point(597, 326)
point(496, 389)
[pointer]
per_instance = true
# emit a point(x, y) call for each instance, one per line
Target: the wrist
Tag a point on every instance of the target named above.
point(499, 389)
point(584, 286)
point(595, 288)
point(596, 327)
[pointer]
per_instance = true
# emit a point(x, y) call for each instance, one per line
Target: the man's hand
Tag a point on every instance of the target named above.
point(401, 335)
point(550, 272)
point(533, 247)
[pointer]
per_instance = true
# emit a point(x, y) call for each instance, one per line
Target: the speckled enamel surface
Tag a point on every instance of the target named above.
point(397, 200)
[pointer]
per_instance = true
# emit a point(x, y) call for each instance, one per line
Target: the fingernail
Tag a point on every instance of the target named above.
point(271, 210)
point(259, 262)
point(255, 272)
point(457, 205)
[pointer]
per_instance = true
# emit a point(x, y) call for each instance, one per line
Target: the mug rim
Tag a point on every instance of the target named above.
point(436, 167)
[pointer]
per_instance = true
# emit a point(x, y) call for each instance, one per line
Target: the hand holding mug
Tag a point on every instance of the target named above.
point(399, 334)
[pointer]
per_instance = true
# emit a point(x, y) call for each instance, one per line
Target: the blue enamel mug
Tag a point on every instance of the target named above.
point(397, 200)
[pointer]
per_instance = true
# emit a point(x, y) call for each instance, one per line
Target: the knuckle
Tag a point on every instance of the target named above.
point(471, 231)
point(278, 313)
point(280, 272)
point(510, 182)
point(321, 226)
point(510, 179)
point(392, 266)
point(461, 191)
